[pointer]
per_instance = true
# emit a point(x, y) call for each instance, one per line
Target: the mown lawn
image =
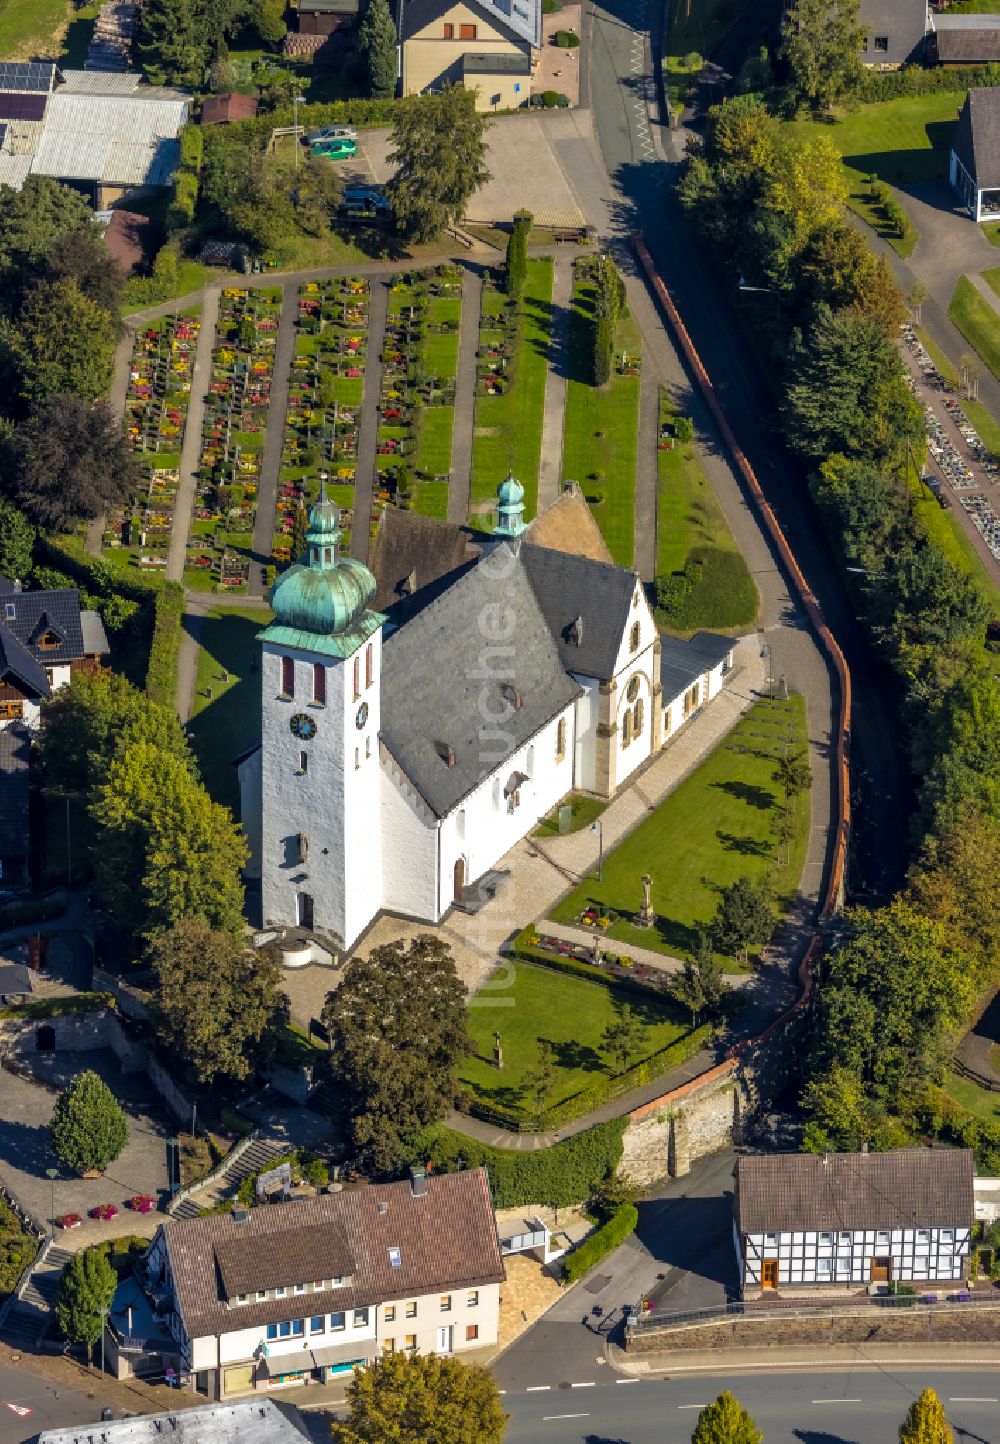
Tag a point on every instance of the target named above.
point(980, 1101)
point(600, 439)
point(690, 526)
point(529, 1004)
point(225, 724)
point(717, 826)
point(583, 811)
point(508, 428)
point(977, 321)
point(27, 27)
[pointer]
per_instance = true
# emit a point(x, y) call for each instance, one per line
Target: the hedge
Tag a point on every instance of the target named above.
point(185, 197)
point(161, 674)
point(914, 80)
point(358, 112)
point(568, 1172)
point(94, 573)
point(619, 1226)
point(59, 1007)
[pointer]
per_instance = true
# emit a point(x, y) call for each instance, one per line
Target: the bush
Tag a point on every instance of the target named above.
point(533, 953)
point(567, 39)
point(185, 199)
point(32, 910)
point(715, 589)
point(549, 7)
point(914, 80)
point(18, 1248)
point(568, 1172)
point(550, 99)
point(161, 673)
point(619, 1226)
point(63, 1007)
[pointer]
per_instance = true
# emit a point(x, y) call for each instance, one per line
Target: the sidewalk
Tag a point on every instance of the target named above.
point(859, 1356)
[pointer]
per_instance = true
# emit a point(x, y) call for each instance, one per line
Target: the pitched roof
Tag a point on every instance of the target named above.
point(414, 557)
point(321, 1250)
point(521, 19)
point(598, 593)
point(972, 45)
point(34, 613)
point(909, 1188)
point(218, 109)
point(19, 666)
point(977, 136)
point(114, 139)
point(446, 1238)
point(445, 671)
point(244, 1421)
point(682, 662)
point(903, 23)
point(568, 525)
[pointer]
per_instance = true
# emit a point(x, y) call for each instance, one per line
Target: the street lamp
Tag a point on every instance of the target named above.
point(598, 827)
point(173, 1162)
point(297, 100)
point(765, 652)
point(52, 1174)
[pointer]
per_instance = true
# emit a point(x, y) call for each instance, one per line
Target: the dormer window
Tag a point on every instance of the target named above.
point(48, 640)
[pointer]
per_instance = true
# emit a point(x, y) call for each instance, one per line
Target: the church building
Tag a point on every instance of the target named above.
point(403, 752)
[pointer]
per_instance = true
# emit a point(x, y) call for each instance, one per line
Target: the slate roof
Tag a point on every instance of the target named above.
point(902, 22)
point(444, 670)
point(447, 1240)
point(972, 45)
point(909, 1188)
point(246, 1421)
point(600, 593)
point(35, 612)
point(977, 136)
point(430, 551)
point(19, 666)
point(681, 663)
point(15, 753)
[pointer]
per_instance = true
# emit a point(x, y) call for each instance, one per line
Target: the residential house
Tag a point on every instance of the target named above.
point(958, 40)
point(821, 1222)
point(974, 169)
point(488, 46)
point(250, 1421)
point(896, 32)
point(261, 1299)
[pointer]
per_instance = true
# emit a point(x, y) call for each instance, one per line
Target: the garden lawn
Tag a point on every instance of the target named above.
point(225, 724)
point(690, 526)
point(977, 321)
point(583, 811)
point(28, 27)
point(946, 530)
point(508, 429)
point(570, 1013)
point(980, 1101)
point(432, 453)
point(600, 439)
point(716, 827)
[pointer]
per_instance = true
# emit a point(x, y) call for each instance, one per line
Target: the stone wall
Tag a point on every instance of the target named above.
point(871, 1325)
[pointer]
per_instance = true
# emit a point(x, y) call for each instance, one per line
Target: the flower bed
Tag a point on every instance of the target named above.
point(141, 1203)
point(104, 1211)
point(69, 1220)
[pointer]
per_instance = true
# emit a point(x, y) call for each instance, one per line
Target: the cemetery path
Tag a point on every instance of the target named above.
point(646, 475)
point(364, 475)
point(116, 400)
point(550, 461)
point(201, 375)
point(465, 399)
point(270, 468)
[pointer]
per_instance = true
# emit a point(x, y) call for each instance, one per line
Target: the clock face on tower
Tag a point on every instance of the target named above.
point(303, 727)
point(361, 716)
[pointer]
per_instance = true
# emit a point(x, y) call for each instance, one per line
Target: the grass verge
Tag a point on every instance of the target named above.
point(583, 811)
point(977, 321)
point(226, 723)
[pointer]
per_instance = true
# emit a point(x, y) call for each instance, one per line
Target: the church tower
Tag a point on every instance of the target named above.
point(321, 849)
point(510, 509)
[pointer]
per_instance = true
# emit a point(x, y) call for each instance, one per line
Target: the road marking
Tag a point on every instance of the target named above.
point(836, 1401)
point(969, 1399)
point(537, 1388)
point(626, 1381)
point(692, 1406)
point(590, 1385)
point(547, 1418)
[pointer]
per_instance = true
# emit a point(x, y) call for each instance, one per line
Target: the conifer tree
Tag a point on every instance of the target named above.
point(85, 1292)
point(517, 258)
point(925, 1422)
point(377, 42)
point(171, 48)
point(726, 1422)
point(88, 1128)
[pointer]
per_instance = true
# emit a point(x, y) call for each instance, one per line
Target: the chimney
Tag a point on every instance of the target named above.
point(576, 632)
point(240, 1215)
point(446, 753)
point(512, 695)
point(418, 1181)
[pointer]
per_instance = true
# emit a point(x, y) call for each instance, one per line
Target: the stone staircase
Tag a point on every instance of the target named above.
point(30, 1317)
point(255, 1157)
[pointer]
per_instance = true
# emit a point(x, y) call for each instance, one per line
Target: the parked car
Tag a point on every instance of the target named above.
point(331, 132)
point(336, 149)
point(365, 198)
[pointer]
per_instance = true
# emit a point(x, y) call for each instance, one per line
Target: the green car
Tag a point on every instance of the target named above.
point(336, 149)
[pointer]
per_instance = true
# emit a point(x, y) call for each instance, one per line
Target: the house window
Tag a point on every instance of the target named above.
point(882, 43)
point(298, 1328)
point(449, 32)
point(633, 640)
point(272, 1331)
point(369, 665)
point(691, 699)
point(923, 1235)
point(843, 1266)
point(357, 676)
point(338, 1321)
point(845, 1240)
point(280, 1291)
point(318, 1288)
point(411, 1343)
point(50, 673)
point(770, 1240)
point(947, 1236)
point(361, 1318)
point(287, 677)
point(388, 1346)
point(626, 728)
point(882, 1236)
point(471, 1333)
point(319, 683)
point(411, 1309)
point(468, 32)
point(390, 1313)
point(242, 1298)
point(300, 1288)
point(10, 711)
point(48, 640)
point(637, 719)
point(284, 1330)
point(261, 1294)
point(446, 1303)
point(826, 1238)
point(317, 1324)
point(473, 1299)
point(823, 1267)
point(561, 739)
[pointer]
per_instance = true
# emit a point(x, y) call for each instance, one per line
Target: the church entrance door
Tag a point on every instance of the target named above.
point(305, 905)
point(459, 879)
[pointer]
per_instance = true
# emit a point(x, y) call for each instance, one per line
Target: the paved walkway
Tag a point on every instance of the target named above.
point(364, 472)
point(646, 475)
point(274, 440)
point(201, 375)
point(661, 962)
point(460, 482)
point(554, 406)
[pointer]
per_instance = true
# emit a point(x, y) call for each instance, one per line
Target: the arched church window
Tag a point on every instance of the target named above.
point(287, 677)
point(637, 718)
point(319, 683)
point(561, 739)
point(627, 728)
point(634, 638)
point(369, 665)
point(357, 676)
point(632, 691)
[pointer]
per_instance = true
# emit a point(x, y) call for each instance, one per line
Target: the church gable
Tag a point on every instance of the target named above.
point(586, 604)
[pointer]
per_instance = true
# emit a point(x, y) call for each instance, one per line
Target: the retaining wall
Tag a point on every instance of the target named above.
point(943, 1324)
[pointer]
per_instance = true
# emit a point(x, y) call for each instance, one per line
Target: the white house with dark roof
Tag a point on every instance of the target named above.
point(807, 1222)
point(974, 166)
point(404, 753)
point(489, 46)
point(263, 1298)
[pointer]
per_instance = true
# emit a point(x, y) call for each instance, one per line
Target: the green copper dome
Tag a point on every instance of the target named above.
point(324, 593)
point(510, 508)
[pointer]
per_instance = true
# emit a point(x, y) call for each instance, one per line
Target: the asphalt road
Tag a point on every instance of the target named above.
point(642, 199)
point(49, 1406)
point(793, 1407)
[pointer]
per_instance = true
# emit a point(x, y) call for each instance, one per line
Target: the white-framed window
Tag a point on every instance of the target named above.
point(843, 1240)
point(826, 1238)
point(317, 1324)
point(923, 1235)
point(473, 1299)
point(823, 1268)
point(300, 1288)
point(361, 1318)
point(843, 1267)
point(770, 1240)
point(946, 1237)
point(280, 1291)
point(242, 1298)
point(338, 1321)
point(882, 1237)
point(261, 1294)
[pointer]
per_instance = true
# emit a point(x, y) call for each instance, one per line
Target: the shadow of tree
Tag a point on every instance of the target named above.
point(746, 846)
point(748, 792)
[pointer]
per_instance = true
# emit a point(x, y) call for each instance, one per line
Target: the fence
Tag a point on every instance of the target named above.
point(856, 1307)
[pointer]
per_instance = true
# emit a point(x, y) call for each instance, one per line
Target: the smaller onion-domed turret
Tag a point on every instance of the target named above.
point(510, 508)
point(324, 593)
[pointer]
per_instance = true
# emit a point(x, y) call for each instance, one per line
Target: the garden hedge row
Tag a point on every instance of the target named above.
point(914, 80)
point(617, 1229)
point(359, 112)
point(568, 1172)
point(185, 197)
point(161, 673)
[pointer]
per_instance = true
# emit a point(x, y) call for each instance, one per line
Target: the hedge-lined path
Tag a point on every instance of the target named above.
point(553, 421)
point(365, 471)
point(460, 482)
point(117, 397)
point(270, 467)
point(201, 375)
point(646, 478)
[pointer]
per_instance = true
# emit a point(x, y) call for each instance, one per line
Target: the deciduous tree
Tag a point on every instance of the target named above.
point(17, 540)
point(88, 1128)
point(439, 149)
point(397, 1031)
point(726, 1422)
point(215, 999)
point(822, 46)
point(623, 1037)
point(793, 775)
point(74, 462)
point(954, 882)
point(377, 43)
point(925, 1422)
point(31, 220)
point(411, 1398)
point(86, 1289)
point(59, 341)
point(701, 984)
point(743, 917)
point(268, 19)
